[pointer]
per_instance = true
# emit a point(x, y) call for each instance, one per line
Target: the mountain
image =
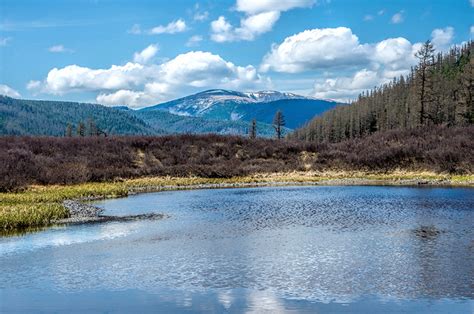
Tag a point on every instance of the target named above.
point(174, 124)
point(50, 118)
point(219, 104)
point(35, 117)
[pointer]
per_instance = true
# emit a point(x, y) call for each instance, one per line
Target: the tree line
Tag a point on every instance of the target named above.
point(278, 124)
point(89, 128)
point(438, 91)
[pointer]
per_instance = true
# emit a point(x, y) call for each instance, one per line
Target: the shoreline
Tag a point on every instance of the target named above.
point(42, 206)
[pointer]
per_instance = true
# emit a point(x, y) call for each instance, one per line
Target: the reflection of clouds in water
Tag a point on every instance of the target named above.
point(61, 236)
point(264, 301)
point(225, 298)
point(316, 244)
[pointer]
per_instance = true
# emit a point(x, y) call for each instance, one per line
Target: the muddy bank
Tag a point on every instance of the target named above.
point(81, 213)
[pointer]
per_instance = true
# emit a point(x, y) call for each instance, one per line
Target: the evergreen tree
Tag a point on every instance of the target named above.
point(426, 57)
point(278, 123)
point(81, 129)
point(253, 129)
point(437, 91)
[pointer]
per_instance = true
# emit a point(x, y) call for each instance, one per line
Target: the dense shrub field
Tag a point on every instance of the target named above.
point(53, 160)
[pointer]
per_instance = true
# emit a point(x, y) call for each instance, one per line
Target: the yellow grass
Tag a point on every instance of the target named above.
point(41, 205)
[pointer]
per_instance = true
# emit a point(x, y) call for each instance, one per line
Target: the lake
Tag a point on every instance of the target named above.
point(273, 249)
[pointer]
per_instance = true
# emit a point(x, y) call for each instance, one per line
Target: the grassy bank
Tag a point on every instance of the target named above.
point(39, 206)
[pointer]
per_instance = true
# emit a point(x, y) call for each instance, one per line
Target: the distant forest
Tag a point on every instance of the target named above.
point(438, 91)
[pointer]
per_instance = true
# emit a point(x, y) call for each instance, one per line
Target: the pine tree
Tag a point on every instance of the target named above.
point(253, 129)
point(426, 57)
point(81, 129)
point(278, 123)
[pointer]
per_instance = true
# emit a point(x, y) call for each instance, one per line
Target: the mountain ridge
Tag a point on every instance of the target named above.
point(221, 104)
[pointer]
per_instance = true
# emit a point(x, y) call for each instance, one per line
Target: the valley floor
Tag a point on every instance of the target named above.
point(42, 205)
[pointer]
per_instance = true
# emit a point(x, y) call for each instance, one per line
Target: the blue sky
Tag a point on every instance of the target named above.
point(140, 53)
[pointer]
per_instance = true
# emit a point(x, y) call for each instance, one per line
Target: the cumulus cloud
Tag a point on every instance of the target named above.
point(194, 41)
point(138, 85)
point(8, 91)
point(316, 49)
point(250, 27)
point(397, 18)
point(347, 65)
point(253, 7)
point(146, 54)
point(59, 49)
point(177, 26)
point(442, 38)
point(472, 30)
point(346, 88)
point(260, 17)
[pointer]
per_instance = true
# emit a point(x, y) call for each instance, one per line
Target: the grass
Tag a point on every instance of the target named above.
point(39, 206)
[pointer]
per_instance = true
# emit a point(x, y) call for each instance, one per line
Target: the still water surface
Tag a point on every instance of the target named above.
point(283, 249)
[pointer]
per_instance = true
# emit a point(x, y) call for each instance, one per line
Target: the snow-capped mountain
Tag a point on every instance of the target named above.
point(219, 104)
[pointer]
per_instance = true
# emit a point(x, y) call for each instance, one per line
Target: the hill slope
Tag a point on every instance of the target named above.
point(50, 118)
point(34, 117)
point(175, 124)
point(439, 91)
point(237, 106)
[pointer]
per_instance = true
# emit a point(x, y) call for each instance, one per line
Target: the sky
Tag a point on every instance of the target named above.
point(143, 52)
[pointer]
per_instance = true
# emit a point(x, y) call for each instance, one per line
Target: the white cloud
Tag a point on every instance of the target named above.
point(442, 38)
point(345, 66)
point(316, 49)
point(346, 88)
point(397, 18)
point(124, 97)
point(177, 26)
point(146, 54)
point(194, 41)
point(253, 6)
point(472, 30)
point(201, 16)
point(8, 91)
point(138, 85)
point(4, 41)
point(472, 3)
point(250, 27)
point(394, 53)
point(33, 85)
point(381, 12)
point(135, 30)
point(260, 17)
point(59, 49)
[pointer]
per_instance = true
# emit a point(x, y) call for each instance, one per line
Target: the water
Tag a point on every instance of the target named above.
point(284, 249)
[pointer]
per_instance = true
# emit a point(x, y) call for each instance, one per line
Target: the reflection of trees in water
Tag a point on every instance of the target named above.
point(443, 268)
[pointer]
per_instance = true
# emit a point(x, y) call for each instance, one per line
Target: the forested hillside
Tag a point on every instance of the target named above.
point(438, 91)
point(58, 118)
point(34, 117)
